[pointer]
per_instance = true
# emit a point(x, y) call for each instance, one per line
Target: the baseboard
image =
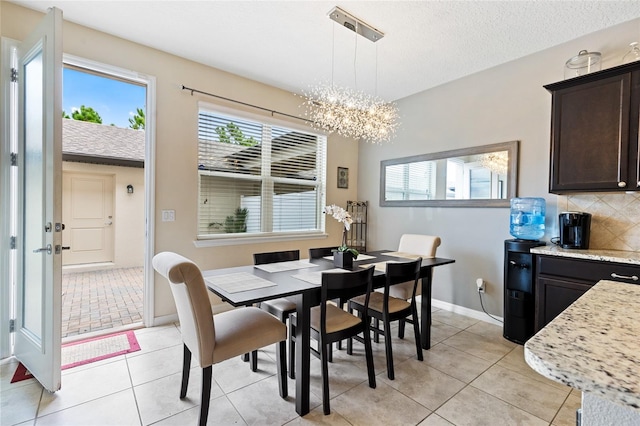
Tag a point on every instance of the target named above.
point(479, 315)
point(164, 320)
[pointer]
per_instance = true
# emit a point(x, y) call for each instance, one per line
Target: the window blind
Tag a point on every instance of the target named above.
point(410, 181)
point(257, 177)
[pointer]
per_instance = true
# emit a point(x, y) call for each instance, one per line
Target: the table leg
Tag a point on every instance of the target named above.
point(303, 362)
point(425, 310)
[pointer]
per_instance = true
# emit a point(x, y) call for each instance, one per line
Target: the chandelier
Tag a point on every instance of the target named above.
point(349, 112)
point(496, 162)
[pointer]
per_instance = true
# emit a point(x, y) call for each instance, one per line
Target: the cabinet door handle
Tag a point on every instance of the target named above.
point(622, 184)
point(624, 277)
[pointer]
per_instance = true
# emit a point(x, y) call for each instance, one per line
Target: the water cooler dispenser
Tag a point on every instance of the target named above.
point(527, 225)
point(519, 290)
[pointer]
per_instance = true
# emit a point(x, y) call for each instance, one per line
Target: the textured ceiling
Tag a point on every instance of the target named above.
point(293, 44)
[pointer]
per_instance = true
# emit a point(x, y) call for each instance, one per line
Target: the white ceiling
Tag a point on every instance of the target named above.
point(288, 44)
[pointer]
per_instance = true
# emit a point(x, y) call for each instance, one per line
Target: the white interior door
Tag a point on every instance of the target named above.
point(39, 260)
point(87, 212)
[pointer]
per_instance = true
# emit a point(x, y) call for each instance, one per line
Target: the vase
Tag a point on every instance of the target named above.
point(343, 259)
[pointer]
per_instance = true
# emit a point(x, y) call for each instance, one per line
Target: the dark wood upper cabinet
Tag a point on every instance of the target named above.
point(594, 131)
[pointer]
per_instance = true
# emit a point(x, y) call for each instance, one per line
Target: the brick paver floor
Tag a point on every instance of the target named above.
point(100, 300)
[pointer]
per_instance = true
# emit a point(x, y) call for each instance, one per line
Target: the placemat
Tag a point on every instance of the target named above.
point(406, 255)
point(379, 266)
point(285, 266)
point(89, 350)
point(235, 283)
point(360, 257)
point(315, 277)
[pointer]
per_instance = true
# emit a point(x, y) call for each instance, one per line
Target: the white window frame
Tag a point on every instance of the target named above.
point(252, 238)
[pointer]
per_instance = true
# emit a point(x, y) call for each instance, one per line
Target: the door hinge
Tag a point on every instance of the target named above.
point(12, 325)
point(14, 75)
point(14, 158)
point(12, 243)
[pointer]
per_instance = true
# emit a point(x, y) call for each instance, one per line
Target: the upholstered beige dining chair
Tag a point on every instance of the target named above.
point(213, 339)
point(421, 245)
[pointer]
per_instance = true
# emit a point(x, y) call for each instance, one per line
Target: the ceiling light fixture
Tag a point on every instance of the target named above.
point(351, 112)
point(496, 162)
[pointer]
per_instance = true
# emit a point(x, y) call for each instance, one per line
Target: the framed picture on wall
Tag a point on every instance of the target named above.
point(343, 177)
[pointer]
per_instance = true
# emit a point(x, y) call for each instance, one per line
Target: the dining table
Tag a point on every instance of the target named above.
point(300, 282)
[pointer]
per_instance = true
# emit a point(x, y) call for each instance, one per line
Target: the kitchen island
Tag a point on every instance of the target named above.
point(594, 346)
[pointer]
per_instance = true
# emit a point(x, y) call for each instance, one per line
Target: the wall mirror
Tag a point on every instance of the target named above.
point(481, 176)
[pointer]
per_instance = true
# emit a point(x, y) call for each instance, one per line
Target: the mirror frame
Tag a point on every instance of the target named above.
point(511, 147)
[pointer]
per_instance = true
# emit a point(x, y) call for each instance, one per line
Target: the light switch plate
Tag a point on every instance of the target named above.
point(168, 215)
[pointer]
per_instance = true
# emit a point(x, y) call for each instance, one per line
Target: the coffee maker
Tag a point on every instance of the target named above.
point(574, 230)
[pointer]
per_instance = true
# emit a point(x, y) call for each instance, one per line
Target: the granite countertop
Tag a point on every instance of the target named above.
point(629, 257)
point(594, 345)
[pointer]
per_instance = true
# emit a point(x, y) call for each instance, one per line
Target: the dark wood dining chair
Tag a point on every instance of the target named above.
point(282, 307)
point(331, 324)
point(212, 339)
point(385, 308)
point(319, 253)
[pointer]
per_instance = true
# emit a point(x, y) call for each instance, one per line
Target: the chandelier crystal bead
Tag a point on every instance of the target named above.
point(496, 162)
point(348, 112)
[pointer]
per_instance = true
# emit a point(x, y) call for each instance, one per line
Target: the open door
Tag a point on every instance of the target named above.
point(39, 202)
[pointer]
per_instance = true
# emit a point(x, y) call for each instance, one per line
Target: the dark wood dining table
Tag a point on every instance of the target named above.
point(306, 295)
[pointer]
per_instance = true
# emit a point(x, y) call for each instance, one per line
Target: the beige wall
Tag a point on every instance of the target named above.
point(128, 209)
point(176, 138)
point(500, 104)
point(615, 218)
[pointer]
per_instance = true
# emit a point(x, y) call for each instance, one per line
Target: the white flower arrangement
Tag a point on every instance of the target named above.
point(342, 216)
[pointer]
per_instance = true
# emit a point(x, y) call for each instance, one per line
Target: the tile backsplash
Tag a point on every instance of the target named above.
point(615, 218)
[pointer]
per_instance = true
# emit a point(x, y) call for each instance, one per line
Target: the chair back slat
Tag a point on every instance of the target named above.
point(401, 272)
point(275, 256)
point(344, 285)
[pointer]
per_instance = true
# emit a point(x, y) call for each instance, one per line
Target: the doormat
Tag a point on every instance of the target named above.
point(21, 374)
point(89, 350)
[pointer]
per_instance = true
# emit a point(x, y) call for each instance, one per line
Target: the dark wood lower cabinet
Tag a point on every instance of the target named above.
point(554, 296)
point(560, 281)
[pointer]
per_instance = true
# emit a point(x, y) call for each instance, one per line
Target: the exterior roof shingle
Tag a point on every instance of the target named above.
point(97, 140)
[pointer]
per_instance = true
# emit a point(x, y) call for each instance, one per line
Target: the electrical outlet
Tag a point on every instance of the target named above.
point(168, 215)
point(480, 284)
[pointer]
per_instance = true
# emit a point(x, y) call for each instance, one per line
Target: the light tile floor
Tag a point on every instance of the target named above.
point(470, 376)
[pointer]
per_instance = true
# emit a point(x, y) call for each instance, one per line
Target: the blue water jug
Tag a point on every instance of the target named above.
point(527, 218)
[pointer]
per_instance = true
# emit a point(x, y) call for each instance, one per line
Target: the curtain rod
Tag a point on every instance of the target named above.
point(243, 103)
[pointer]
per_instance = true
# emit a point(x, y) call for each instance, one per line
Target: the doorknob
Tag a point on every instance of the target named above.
point(47, 249)
point(108, 223)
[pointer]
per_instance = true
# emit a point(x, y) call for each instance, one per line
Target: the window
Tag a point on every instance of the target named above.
point(410, 181)
point(258, 178)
